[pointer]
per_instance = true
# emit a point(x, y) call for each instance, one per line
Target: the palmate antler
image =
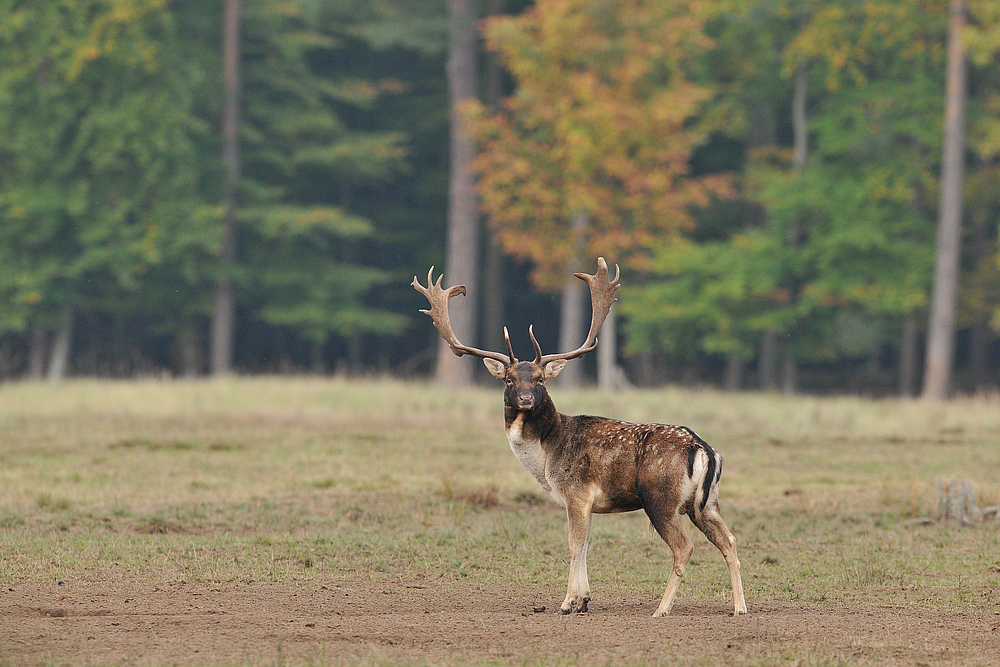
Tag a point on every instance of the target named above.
point(438, 299)
point(602, 295)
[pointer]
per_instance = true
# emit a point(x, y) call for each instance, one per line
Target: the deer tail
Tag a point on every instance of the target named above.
point(704, 471)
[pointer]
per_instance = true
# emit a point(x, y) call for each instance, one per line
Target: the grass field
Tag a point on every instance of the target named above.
point(301, 482)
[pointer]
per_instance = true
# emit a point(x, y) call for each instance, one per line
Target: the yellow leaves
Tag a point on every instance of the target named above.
point(982, 35)
point(33, 297)
point(115, 30)
point(985, 132)
point(598, 123)
point(846, 38)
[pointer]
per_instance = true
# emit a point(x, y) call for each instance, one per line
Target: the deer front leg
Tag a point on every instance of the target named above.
point(578, 589)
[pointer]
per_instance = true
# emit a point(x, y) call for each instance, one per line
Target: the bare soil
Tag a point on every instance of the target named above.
point(457, 622)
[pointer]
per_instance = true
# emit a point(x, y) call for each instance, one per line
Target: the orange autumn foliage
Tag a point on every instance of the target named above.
point(602, 121)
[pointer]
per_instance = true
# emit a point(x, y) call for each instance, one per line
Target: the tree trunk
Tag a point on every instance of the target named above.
point(908, 359)
point(493, 288)
point(223, 316)
point(574, 296)
point(789, 374)
point(956, 501)
point(462, 258)
point(800, 155)
point(571, 311)
point(979, 339)
point(493, 69)
point(609, 375)
point(493, 298)
point(187, 340)
point(944, 295)
point(36, 352)
point(354, 354)
point(317, 365)
point(59, 361)
point(643, 368)
point(732, 378)
point(766, 361)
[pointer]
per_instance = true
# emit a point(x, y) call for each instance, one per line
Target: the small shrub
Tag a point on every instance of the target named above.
point(483, 497)
point(46, 501)
point(158, 524)
point(529, 498)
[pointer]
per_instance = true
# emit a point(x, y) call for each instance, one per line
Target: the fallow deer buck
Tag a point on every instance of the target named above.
point(594, 464)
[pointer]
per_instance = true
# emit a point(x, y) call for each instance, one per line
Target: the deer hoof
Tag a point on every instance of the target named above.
point(575, 609)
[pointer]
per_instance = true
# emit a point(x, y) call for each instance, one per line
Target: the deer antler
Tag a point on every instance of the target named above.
point(438, 299)
point(602, 295)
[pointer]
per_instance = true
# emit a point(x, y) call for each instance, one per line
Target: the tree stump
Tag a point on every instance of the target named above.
point(956, 501)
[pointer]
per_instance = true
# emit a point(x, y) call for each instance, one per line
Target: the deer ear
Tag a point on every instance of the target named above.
point(553, 368)
point(496, 369)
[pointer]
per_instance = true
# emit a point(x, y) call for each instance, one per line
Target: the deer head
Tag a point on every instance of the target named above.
point(523, 378)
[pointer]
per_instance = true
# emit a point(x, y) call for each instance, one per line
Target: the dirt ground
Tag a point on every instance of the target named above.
point(456, 622)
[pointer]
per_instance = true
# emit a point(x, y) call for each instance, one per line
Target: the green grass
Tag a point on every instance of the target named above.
point(280, 479)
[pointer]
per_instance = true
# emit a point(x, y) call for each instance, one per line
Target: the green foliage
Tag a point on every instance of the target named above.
point(669, 123)
point(98, 162)
point(293, 134)
point(847, 238)
point(111, 184)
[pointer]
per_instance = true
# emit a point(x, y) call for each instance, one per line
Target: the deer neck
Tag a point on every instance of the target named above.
point(539, 424)
point(532, 435)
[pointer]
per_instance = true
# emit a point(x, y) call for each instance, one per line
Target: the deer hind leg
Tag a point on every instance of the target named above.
point(672, 532)
point(710, 522)
point(661, 508)
point(578, 588)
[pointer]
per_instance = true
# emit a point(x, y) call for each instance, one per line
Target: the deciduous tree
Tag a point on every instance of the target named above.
point(600, 124)
point(98, 163)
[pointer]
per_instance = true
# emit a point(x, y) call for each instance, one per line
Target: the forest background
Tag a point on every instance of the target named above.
point(190, 187)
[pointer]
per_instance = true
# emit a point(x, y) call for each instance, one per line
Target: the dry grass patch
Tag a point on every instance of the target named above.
point(279, 481)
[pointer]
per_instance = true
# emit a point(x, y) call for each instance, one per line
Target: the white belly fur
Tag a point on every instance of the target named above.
point(529, 453)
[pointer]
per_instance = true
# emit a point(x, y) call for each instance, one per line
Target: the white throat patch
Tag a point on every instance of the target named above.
point(527, 451)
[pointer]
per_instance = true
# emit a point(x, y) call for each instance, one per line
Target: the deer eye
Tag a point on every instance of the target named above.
point(508, 382)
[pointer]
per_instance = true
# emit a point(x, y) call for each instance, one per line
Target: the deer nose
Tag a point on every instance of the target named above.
point(526, 399)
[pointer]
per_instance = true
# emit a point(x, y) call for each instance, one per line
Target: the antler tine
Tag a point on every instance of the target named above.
point(534, 343)
point(438, 298)
point(602, 295)
point(510, 350)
